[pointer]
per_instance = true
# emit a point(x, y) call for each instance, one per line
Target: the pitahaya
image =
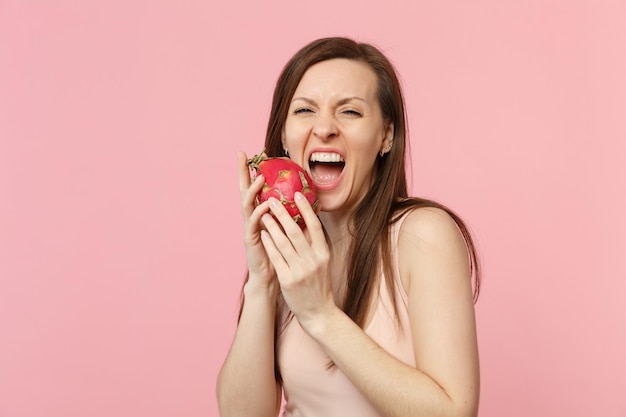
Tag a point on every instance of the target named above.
point(283, 178)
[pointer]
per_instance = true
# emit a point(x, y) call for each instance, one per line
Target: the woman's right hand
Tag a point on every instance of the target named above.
point(260, 268)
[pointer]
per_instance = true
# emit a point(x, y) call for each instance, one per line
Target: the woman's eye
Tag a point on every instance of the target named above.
point(351, 112)
point(302, 110)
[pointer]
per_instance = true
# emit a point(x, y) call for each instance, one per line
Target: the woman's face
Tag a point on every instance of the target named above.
point(335, 130)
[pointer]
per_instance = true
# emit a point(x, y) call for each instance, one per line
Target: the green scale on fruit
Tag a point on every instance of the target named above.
point(283, 178)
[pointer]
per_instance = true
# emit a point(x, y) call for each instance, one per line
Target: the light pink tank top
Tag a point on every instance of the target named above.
point(311, 390)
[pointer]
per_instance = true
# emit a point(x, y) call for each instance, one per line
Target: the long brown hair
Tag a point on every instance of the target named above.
point(387, 200)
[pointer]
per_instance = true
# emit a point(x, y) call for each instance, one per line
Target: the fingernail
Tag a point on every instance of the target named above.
point(299, 195)
point(273, 202)
point(259, 178)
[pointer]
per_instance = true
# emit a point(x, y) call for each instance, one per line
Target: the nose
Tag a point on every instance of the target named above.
point(325, 126)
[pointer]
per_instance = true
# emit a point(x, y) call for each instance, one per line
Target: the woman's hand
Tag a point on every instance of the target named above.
point(301, 259)
point(260, 268)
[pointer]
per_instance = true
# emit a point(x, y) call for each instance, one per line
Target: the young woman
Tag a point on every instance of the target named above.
point(368, 311)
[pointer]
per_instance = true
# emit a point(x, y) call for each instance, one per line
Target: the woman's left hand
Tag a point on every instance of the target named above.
point(301, 259)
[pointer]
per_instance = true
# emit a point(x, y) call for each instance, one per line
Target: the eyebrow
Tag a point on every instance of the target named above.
point(340, 102)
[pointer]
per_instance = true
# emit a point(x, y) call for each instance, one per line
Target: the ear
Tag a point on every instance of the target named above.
point(387, 142)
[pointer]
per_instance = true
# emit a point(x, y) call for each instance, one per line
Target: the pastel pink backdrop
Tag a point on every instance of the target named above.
point(120, 235)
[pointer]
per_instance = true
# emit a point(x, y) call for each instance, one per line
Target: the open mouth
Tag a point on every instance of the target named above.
point(326, 167)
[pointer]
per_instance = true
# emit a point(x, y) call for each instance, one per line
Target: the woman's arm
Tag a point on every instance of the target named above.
point(246, 385)
point(434, 262)
point(434, 258)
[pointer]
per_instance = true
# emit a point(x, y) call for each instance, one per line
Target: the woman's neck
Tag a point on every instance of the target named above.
point(337, 230)
point(338, 234)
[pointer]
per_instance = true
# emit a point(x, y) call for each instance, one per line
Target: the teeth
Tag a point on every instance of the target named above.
point(326, 157)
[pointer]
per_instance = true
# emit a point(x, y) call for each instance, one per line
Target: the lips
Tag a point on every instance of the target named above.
point(326, 168)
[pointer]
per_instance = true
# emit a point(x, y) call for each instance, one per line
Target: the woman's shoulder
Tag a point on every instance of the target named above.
point(425, 218)
point(429, 237)
point(428, 222)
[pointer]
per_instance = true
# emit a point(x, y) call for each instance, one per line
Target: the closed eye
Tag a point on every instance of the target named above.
point(302, 110)
point(351, 112)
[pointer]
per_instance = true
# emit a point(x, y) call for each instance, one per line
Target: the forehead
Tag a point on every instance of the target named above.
point(339, 77)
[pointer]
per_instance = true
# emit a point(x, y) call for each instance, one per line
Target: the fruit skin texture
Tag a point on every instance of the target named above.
point(283, 178)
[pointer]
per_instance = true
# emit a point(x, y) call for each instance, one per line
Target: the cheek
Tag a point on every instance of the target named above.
point(367, 151)
point(364, 155)
point(294, 134)
point(367, 145)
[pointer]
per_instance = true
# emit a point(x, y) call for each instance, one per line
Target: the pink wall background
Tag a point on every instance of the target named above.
point(120, 236)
